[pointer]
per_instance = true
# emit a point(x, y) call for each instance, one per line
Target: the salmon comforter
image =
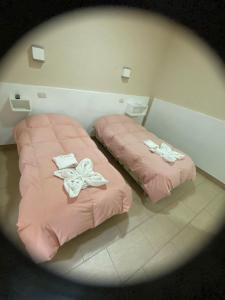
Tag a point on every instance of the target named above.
point(47, 216)
point(125, 140)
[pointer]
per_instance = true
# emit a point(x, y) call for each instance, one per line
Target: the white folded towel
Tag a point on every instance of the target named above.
point(65, 161)
point(153, 146)
point(164, 151)
point(80, 178)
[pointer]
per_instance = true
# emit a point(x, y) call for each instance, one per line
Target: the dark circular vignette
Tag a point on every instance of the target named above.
point(203, 276)
point(204, 17)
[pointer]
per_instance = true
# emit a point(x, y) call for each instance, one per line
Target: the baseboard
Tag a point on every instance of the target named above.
point(8, 147)
point(210, 177)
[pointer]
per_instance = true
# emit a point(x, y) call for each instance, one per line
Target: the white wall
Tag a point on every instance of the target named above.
point(201, 136)
point(84, 106)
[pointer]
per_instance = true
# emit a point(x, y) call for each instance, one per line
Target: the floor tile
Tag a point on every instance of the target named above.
point(8, 178)
point(159, 230)
point(200, 178)
point(190, 241)
point(96, 270)
point(218, 188)
point(188, 188)
point(202, 196)
point(216, 207)
point(9, 172)
point(130, 253)
point(8, 155)
point(164, 261)
point(10, 196)
point(136, 278)
point(160, 205)
point(9, 203)
point(179, 213)
point(137, 214)
point(205, 222)
point(96, 239)
point(68, 256)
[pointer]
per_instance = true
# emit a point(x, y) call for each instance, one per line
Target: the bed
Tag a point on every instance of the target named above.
point(48, 218)
point(124, 138)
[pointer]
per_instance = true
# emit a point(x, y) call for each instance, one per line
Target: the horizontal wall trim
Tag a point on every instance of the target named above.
point(70, 88)
point(83, 105)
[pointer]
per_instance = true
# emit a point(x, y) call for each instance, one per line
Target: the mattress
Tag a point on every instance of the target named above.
point(125, 140)
point(48, 218)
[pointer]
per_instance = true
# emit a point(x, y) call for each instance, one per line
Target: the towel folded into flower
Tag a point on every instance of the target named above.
point(164, 151)
point(76, 179)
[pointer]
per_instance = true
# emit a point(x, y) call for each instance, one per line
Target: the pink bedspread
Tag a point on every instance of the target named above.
point(47, 216)
point(124, 138)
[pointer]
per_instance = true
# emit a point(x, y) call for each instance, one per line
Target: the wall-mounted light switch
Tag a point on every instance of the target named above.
point(41, 95)
point(38, 53)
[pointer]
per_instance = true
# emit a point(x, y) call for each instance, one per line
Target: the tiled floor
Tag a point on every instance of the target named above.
point(148, 241)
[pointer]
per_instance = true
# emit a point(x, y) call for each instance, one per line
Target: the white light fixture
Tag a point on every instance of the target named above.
point(126, 72)
point(38, 53)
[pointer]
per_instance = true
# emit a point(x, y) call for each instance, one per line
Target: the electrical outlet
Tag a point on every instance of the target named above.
point(41, 95)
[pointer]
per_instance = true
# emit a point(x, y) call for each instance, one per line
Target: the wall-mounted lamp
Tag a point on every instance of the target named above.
point(126, 72)
point(38, 53)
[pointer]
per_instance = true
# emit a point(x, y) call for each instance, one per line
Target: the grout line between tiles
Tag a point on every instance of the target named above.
point(209, 211)
point(172, 238)
point(148, 260)
point(204, 207)
point(130, 277)
point(136, 226)
point(103, 247)
point(74, 267)
point(169, 241)
point(114, 266)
